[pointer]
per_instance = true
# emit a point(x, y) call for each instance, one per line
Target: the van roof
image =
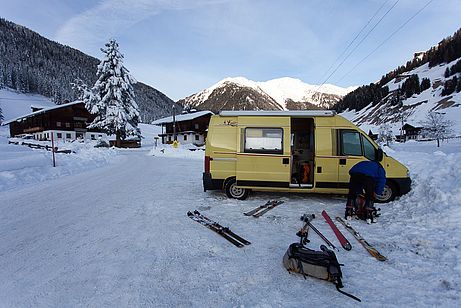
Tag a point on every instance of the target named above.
point(273, 113)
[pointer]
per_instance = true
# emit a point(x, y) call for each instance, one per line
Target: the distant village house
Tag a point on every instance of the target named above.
point(66, 122)
point(191, 128)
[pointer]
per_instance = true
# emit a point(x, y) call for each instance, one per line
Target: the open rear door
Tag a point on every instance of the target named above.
point(263, 157)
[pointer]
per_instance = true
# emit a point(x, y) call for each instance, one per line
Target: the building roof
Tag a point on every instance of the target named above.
point(44, 110)
point(296, 113)
point(182, 117)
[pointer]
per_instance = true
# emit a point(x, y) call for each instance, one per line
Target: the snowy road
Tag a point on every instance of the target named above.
point(119, 236)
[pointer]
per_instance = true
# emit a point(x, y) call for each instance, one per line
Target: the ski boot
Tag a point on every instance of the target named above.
point(349, 210)
point(371, 213)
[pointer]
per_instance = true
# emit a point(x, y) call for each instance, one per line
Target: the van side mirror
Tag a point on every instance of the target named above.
point(379, 154)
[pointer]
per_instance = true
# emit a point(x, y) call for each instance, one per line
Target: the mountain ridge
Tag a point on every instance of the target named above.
point(276, 94)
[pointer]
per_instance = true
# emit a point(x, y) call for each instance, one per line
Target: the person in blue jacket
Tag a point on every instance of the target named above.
point(368, 178)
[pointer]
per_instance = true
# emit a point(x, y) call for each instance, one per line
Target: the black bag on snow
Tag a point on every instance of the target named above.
point(319, 264)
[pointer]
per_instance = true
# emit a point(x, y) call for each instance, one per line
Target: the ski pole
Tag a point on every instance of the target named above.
point(307, 219)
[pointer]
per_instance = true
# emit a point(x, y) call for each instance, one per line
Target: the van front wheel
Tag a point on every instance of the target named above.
point(232, 191)
point(389, 193)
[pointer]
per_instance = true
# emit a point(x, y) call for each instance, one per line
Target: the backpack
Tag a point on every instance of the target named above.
point(319, 264)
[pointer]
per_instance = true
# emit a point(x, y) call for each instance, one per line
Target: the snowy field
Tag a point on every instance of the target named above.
point(116, 233)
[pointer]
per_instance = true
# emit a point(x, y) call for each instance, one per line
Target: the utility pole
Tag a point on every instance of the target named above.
point(174, 123)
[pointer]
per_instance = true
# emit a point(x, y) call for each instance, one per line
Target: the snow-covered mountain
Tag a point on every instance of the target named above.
point(277, 94)
point(430, 82)
point(396, 109)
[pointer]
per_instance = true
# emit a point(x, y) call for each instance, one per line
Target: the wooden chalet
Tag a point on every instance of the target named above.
point(411, 132)
point(191, 128)
point(64, 122)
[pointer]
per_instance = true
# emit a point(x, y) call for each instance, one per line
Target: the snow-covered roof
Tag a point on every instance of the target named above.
point(182, 117)
point(297, 113)
point(44, 110)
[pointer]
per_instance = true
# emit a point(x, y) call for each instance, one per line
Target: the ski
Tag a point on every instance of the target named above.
point(268, 203)
point(268, 208)
point(217, 228)
point(224, 229)
point(371, 250)
point(341, 238)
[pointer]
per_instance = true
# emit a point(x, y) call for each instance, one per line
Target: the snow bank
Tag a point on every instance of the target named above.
point(187, 151)
point(20, 165)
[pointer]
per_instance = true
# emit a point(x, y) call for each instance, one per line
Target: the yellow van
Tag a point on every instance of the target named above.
point(298, 151)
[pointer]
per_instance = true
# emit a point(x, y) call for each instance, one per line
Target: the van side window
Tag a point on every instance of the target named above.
point(369, 150)
point(350, 143)
point(264, 140)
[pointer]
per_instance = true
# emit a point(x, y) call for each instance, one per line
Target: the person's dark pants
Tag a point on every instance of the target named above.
point(359, 184)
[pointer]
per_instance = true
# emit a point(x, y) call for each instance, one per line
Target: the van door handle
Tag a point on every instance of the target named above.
point(285, 161)
point(342, 161)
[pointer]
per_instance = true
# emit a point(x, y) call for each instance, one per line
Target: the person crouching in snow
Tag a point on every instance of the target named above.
point(367, 180)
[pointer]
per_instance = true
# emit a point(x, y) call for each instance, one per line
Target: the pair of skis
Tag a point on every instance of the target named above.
point(262, 209)
point(345, 243)
point(225, 232)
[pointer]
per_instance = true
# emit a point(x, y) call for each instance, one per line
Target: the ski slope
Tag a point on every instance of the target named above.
point(118, 235)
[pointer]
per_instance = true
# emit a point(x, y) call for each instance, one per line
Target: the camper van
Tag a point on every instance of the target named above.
point(291, 151)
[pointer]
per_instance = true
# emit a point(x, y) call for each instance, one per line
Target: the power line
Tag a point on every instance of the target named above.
point(387, 39)
point(356, 46)
point(358, 34)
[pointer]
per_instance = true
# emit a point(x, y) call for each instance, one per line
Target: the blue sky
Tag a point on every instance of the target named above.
point(183, 46)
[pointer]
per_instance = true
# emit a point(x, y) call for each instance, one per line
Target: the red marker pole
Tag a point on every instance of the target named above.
point(52, 149)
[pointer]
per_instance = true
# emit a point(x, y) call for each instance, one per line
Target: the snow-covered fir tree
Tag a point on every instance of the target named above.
point(82, 91)
point(436, 126)
point(385, 134)
point(112, 98)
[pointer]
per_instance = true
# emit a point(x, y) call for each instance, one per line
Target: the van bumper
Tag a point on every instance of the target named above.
point(210, 184)
point(404, 185)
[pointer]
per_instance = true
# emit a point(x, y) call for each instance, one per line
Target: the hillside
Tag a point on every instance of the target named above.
point(277, 94)
point(431, 81)
point(31, 63)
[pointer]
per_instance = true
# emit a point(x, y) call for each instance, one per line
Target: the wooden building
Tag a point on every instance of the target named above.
point(64, 122)
point(411, 132)
point(191, 128)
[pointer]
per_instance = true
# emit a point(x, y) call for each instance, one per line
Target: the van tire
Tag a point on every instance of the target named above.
point(232, 191)
point(389, 193)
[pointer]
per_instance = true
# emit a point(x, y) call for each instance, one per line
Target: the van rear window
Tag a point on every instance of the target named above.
point(264, 140)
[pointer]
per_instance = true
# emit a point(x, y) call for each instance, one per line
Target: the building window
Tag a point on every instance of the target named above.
point(59, 135)
point(68, 136)
point(197, 137)
point(264, 140)
point(185, 137)
point(93, 137)
point(58, 124)
point(197, 126)
point(100, 136)
point(67, 124)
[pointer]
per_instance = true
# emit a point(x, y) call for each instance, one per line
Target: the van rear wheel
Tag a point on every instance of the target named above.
point(232, 191)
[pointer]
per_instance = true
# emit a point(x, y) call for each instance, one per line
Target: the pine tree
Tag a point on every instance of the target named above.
point(447, 73)
point(425, 84)
point(113, 96)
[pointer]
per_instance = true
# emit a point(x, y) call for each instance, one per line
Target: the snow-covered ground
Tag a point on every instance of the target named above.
point(118, 235)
